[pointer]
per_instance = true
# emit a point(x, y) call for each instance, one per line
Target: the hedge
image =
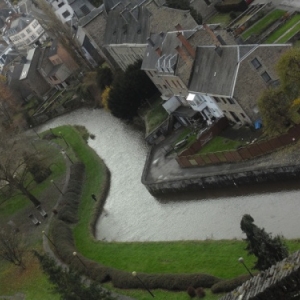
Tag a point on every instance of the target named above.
point(229, 285)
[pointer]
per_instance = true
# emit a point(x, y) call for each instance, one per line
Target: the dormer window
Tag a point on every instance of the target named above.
point(255, 63)
point(266, 77)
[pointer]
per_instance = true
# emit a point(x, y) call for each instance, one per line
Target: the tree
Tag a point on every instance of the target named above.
point(268, 250)
point(104, 77)
point(105, 96)
point(288, 69)
point(63, 33)
point(15, 166)
point(12, 248)
point(9, 105)
point(185, 5)
point(275, 108)
point(68, 283)
point(129, 90)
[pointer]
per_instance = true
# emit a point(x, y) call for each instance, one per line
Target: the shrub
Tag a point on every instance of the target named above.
point(191, 291)
point(229, 285)
point(200, 292)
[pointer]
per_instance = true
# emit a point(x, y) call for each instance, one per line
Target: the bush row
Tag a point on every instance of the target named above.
point(62, 235)
point(229, 285)
point(68, 207)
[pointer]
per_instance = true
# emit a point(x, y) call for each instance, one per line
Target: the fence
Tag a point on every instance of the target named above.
point(280, 282)
point(187, 159)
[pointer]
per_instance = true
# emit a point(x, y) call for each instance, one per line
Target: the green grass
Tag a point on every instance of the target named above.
point(218, 258)
point(223, 18)
point(283, 29)
point(155, 116)
point(289, 35)
point(219, 144)
point(263, 23)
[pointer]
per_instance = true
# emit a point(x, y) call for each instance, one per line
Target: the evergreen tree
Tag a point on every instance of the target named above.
point(267, 249)
point(129, 90)
point(69, 284)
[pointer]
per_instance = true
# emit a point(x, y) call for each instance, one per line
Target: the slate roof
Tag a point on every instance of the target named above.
point(19, 24)
point(128, 26)
point(214, 73)
point(81, 7)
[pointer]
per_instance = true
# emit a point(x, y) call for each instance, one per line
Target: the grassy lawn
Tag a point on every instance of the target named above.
point(219, 144)
point(283, 29)
point(289, 35)
point(263, 23)
point(223, 18)
point(218, 258)
point(155, 115)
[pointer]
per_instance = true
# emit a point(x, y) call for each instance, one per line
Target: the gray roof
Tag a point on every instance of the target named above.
point(19, 24)
point(93, 14)
point(81, 7)
point(128, 26)
point(53, 48)
point(214, 73)
point(120, 4)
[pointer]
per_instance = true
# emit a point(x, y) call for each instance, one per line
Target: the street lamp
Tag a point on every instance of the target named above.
point(134, 274)
point(75, 255)
point(241, 260)
point(66, 154)
point(56, 186)
point(34, 131)
point(44, 233)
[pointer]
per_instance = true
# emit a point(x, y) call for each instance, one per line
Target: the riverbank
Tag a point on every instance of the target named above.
point(162, 174)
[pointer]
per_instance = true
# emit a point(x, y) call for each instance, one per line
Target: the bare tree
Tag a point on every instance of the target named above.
point(12, 248)
point(16, 166)
point(63, 33)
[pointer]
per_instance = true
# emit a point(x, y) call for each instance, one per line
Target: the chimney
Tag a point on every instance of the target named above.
point(178, 27)
point(184, 56)
point(187, 45)
point(158, 51)
point(150, 42)
point(212, 35)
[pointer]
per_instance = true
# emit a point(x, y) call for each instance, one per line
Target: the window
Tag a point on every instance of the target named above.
point(217, 99)
point(27, 41)
point(40, 30)
point(231, 101)
point(60, 4)
point(33, 36)
point(234, 116)
point(66, 14)
point(266, 77)
point(23, 35)
point(28, 30)
point(243, 115)
point(35, 24)
point(255, 63)
point(174, 83)
point(149, 72)
point(224, 100)
point(53, 77)
point(179, 83)
point(84, 9)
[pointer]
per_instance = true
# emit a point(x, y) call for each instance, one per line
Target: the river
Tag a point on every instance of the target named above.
point(135, 215)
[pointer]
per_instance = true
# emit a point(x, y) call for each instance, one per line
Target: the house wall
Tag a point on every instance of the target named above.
point(66, 58)
point(34, 80)
point(126, 54)
point(230, 106)
point(250, 83)
point(28, 35)
point(60, 7)
point(168, 84)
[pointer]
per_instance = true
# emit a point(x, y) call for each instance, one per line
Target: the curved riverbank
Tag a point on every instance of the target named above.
point(135, 215)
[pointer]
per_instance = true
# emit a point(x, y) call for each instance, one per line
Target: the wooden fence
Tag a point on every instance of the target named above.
point(280, 282)
point(188, 160)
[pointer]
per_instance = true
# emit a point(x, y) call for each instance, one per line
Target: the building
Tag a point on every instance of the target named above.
point(235, 76)
point(56, 65)
point(24, 31)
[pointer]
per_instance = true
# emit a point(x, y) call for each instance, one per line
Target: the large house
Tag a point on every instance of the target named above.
point(204, 69)
point(24, 31)
point(119, 30)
